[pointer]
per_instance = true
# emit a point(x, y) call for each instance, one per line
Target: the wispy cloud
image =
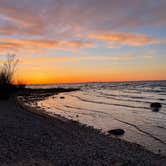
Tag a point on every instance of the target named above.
point(10, 44)
point(79, 44)
point(19, 18)
point(7, 44)
point(122, 38)
point(49, 60)
point(70, 18)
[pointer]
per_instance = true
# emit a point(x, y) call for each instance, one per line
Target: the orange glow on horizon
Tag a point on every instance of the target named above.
point(117, 76)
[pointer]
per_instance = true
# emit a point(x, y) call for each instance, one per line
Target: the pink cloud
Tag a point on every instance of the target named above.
point(121, 38)
point(10, 44)
point(68, 18)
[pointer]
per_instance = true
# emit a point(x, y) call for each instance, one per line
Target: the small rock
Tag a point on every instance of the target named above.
point(62, 97)
point(116, 132)
point(162, 99)
point(155, 106)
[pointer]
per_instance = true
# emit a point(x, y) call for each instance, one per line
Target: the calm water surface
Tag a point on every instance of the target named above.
point(123, 105)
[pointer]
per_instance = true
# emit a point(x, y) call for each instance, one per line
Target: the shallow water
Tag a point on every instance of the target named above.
point(123, 105)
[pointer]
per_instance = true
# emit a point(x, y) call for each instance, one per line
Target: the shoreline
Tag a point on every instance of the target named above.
point(53, 116)
point(52, 141)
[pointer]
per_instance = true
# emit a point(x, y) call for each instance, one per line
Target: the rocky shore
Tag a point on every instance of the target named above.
point(27, 139)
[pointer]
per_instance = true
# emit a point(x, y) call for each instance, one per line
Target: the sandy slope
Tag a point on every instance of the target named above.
point(27, 139)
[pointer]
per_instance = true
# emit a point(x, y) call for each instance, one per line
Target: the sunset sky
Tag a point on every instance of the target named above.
point(59, 41)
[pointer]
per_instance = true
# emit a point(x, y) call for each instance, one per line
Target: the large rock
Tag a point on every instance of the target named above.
point(116, 132)
point(155, 106)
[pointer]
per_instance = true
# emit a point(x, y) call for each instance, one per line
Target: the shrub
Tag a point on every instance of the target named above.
point(6, 75)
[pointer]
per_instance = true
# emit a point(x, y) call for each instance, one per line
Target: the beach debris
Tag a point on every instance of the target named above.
point(62, 97)
point(116, 132)
point(155, 106)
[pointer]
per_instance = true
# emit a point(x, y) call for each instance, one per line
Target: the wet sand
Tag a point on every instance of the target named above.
point(29, 139)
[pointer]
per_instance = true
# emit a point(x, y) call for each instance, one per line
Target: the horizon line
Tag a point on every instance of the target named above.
point(82, 82)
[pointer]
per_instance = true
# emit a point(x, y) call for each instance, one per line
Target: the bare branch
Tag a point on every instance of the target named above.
point(8, 69)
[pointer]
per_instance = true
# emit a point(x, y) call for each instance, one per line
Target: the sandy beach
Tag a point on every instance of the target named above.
point(29, 139)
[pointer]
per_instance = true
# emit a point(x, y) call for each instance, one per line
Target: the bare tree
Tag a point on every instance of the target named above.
point(7, 70)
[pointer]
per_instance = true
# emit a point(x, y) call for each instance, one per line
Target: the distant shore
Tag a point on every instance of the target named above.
point(29, 139)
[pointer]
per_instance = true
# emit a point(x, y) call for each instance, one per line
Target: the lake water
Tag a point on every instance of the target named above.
point(109, 106)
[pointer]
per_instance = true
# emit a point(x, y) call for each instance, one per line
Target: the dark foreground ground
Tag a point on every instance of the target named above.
point(27, 139)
